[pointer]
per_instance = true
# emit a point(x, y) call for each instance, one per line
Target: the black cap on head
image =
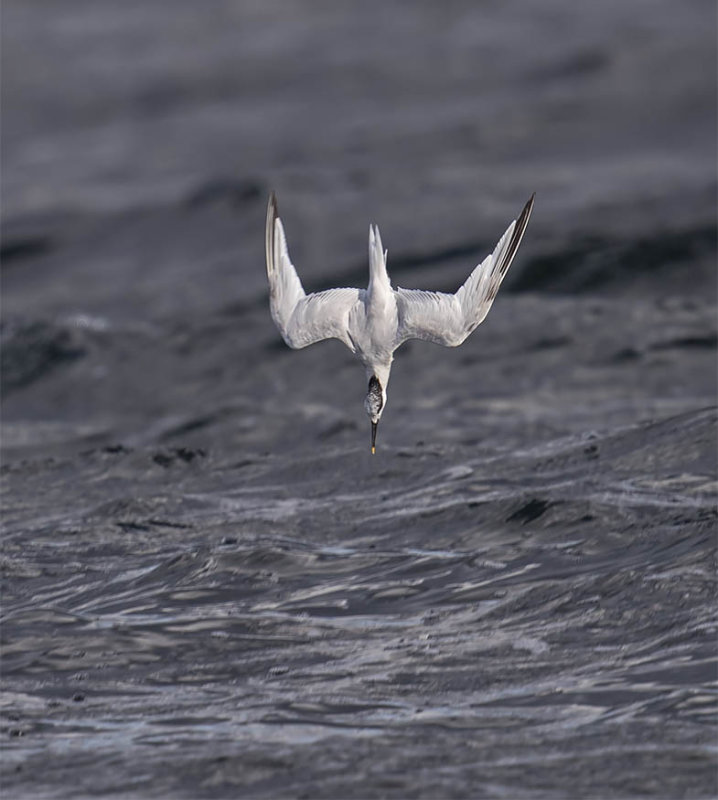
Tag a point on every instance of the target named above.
point(375, 399)
point(374, 404)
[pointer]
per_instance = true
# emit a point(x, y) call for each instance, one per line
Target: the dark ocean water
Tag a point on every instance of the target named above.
point(210, 587)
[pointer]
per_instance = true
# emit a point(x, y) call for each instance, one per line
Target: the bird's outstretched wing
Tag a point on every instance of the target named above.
point(302, 319)
point(449, 318)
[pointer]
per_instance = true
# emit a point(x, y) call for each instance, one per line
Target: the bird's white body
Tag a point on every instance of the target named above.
point(375, 321)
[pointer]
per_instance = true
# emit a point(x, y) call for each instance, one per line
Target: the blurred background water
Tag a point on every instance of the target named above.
point(210, 589)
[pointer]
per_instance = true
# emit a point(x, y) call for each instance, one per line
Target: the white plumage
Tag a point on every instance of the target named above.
point(375, 321)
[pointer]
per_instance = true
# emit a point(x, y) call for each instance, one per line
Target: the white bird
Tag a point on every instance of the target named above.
point(375, 321)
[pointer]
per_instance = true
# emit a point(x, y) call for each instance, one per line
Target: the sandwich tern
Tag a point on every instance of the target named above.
point(375, 321)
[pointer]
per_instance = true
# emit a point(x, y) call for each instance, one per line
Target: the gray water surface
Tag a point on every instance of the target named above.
point(211, 589)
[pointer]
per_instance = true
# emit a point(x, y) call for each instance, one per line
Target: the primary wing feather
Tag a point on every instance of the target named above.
point(302, 319)
point(448, 319)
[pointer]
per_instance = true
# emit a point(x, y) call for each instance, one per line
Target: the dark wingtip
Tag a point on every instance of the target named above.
point(523, 219)
point(272, 217)
point(524, 216)
point(519, 229)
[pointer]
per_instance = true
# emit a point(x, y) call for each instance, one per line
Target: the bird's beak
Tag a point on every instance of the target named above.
point(373, 437)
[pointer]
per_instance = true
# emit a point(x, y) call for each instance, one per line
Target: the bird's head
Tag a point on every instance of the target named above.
point(374, 405)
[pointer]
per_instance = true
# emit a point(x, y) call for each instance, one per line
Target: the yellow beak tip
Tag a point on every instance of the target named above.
point(373, 450)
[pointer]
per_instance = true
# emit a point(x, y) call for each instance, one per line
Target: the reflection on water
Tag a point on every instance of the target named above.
point(573, 619)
